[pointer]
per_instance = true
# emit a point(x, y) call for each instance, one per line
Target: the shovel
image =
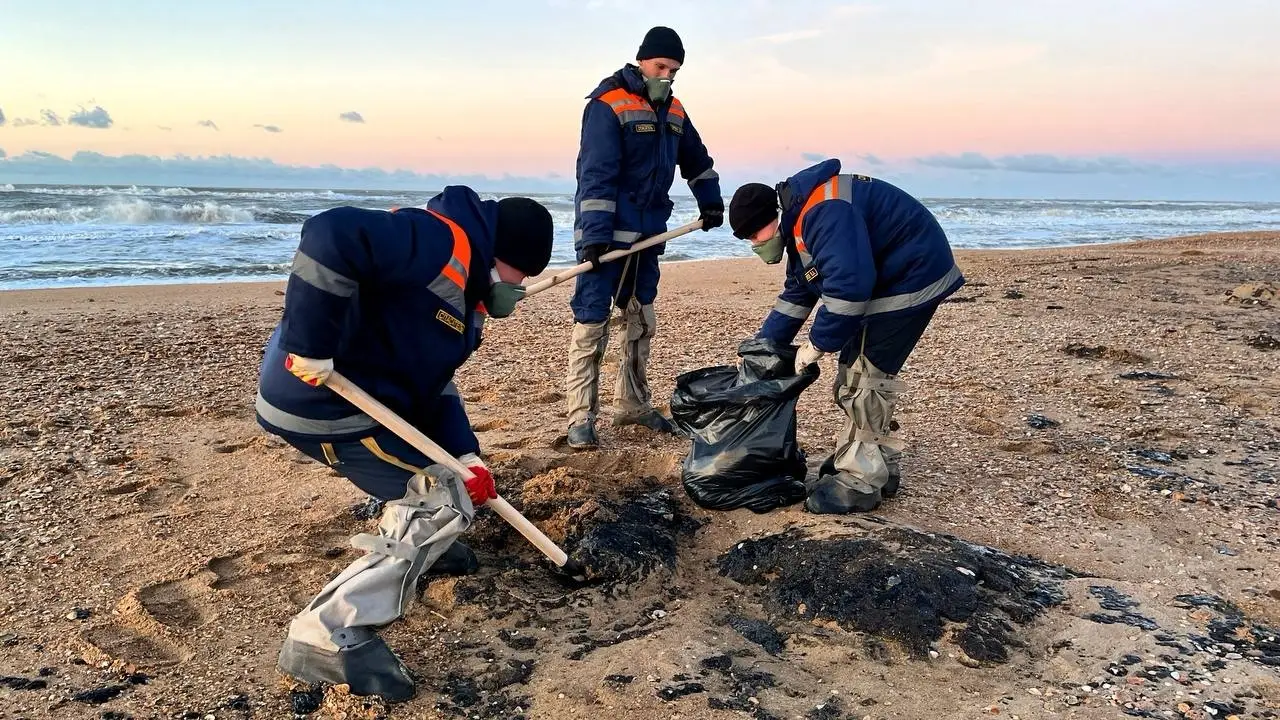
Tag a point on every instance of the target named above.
point(396, 424)
point(577, 270)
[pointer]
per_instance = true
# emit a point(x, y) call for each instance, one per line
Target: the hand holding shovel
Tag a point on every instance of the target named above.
point(577, 270)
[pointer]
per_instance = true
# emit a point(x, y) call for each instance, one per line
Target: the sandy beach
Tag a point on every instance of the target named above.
point(1107, 410)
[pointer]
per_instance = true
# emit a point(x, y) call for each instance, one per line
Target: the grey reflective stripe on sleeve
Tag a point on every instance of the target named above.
point(627, 116)
point(450, 390)
point(805, 258)
point(792, 310)
point(844, 307)
point(919, 297)
point(598, 206)
point(448, 291)
point(845, 191)
point(321, 277)
point(308, 426)
point(708, 174)
point(626, 237)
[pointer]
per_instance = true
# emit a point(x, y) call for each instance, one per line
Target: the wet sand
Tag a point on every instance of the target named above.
point(150, 527)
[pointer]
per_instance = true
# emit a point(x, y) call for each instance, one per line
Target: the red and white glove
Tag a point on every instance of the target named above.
point(309, 370)
point(481, 487)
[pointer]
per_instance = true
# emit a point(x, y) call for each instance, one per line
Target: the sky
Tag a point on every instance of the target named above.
point(1142, 99)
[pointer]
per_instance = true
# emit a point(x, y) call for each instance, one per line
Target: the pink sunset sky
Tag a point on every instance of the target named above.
point(497, 88)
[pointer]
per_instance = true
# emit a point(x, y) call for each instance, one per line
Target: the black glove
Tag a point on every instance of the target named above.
point(711, 216)
point(592, 253)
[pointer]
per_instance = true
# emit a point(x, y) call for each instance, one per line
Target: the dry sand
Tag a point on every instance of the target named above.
point(148, 526)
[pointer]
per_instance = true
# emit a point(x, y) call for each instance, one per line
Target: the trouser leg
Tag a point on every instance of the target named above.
point(591, 304)
point(582, 383)
point(631, 391)
point(867, 396)
point(636, 295)
point(866, 464)
point(333, 639)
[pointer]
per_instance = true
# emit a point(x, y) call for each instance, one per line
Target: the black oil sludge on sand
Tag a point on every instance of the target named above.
point(900, 584)
point(743, 425)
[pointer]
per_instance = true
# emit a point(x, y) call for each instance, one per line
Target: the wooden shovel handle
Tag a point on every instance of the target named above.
point(577, 270)
point(410, 434)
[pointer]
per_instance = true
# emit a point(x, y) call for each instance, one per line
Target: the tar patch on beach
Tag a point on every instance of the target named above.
point(625, 542)
point(903, 585)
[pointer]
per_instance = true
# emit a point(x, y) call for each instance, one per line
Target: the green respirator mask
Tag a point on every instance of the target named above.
point(503, 296)
point(659, 89)
point(770, 250)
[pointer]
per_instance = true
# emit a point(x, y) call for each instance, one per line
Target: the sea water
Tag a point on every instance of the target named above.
point(60, 236)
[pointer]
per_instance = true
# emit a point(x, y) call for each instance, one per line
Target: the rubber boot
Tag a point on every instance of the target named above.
point(582, 382)
point(583, 436)
point(332, 640)
point(457, 561)
point(631, 392)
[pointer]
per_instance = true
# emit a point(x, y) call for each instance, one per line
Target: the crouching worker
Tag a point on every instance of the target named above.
point(396, 302)
point(880, 264)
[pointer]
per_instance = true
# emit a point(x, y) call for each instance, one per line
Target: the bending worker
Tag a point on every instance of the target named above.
point(634, 135)
point(880, 264)
point(395, 301)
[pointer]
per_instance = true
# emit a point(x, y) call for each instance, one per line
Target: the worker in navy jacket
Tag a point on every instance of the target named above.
point(396, 302)
point(635, 135)
point(876, 264)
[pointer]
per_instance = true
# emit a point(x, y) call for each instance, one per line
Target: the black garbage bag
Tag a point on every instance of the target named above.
point(743, 425)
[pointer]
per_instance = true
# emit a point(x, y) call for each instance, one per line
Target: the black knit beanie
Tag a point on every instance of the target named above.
point(661, 42)
point(754, 206)
point(523, 236)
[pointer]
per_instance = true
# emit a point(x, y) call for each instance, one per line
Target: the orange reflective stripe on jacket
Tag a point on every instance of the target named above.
point(628, 106)
point(837, 188)
point(677, 108)
point(451, 284)
point(458, 265)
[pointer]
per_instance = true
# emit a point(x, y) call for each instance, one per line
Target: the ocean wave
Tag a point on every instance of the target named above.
point(142, 212)
point(123, 271)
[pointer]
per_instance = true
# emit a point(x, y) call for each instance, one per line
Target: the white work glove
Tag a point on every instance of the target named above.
point(807, 355)
point(309, 370)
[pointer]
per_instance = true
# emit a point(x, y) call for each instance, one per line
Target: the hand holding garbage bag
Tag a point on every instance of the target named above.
point(743, 424)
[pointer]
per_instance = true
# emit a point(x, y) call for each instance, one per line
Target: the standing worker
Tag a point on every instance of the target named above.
point(880, 263)
point(395, 301)
point(634, 135)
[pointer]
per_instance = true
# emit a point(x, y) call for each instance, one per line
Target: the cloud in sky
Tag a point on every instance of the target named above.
point(1040, 163)
point(1090, 179)
point(208, 124)
point(24, 122)
point(870, 159)
point(165, 128)
point(813, 157)
point(1, 117)
point(269, 128)
point(96, 118)
point(2, 154)
point(50, 118)
point(86, 167)
point(352, 117)
point(963, 161)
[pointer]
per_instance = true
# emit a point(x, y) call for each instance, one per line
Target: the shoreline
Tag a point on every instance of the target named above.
point(553, 269)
